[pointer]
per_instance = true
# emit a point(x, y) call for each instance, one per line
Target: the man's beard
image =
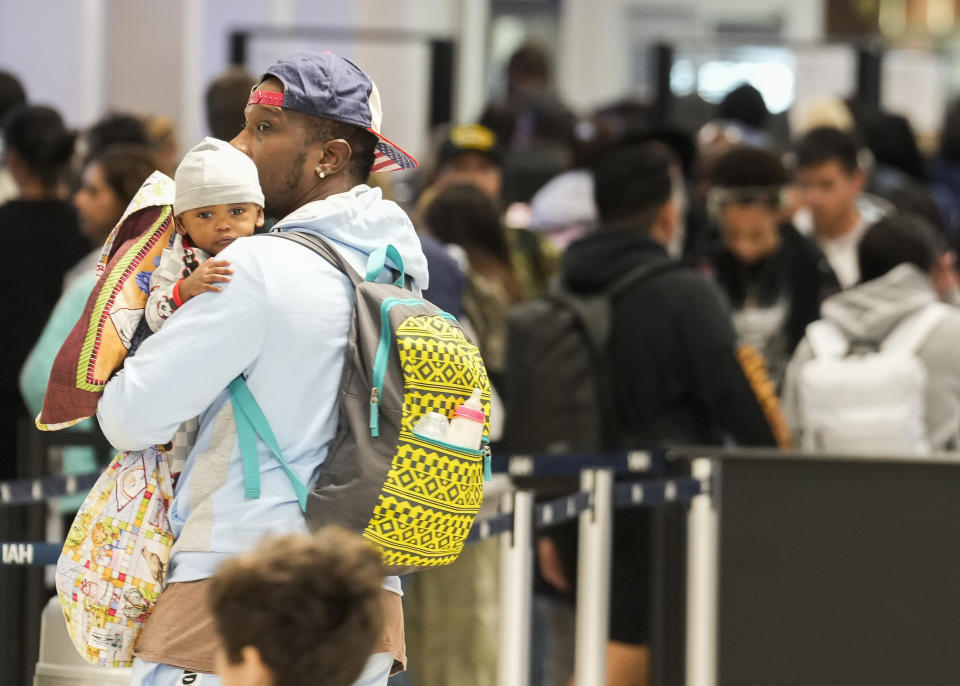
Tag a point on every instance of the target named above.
point(280, 204)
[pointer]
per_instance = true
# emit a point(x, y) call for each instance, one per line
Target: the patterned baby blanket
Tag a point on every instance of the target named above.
point(101, 339)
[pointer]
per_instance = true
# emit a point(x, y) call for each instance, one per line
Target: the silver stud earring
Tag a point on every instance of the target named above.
point(323, 175)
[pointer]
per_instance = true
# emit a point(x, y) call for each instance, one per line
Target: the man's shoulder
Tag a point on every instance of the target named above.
point(674, 277)
point(272, 257)
point(264, 249)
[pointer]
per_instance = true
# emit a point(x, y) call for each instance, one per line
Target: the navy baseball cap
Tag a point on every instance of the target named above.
point(332, 87)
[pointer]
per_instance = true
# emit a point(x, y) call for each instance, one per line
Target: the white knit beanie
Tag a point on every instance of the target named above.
point(215, 173)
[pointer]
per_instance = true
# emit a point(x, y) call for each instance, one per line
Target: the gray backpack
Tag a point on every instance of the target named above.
point(414, 498)
point(559, 391)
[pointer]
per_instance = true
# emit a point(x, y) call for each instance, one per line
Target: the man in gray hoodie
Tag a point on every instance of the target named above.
point(313, 131)
point(897, 261)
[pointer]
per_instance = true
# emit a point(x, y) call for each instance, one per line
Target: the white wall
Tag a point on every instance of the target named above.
point(131, 55)
point(40, 44)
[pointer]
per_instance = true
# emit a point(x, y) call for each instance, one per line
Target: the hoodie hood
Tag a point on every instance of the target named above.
point(589, 265)
point(361, 219)
point(870, 311)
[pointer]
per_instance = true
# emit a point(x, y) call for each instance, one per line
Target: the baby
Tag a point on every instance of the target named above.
point(218, 200)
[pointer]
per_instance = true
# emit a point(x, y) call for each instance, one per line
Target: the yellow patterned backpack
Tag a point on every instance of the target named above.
point(414, 498)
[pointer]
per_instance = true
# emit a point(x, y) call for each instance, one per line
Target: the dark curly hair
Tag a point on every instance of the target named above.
point(310, 605)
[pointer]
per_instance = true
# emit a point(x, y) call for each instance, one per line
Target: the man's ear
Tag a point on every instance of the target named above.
point(13, 162)
point(859, 180)
point(255, 668)
point(336, 156)
point(667, 221)
point(181, 229)
point(259, 217)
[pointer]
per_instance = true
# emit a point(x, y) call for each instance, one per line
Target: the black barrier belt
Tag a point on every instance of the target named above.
point(32, 491)
point(490, 527)
point(29, 553)
point(647, 493)
point(561, 510)
point(657, 492)
point(629, 494)
point(634, 461)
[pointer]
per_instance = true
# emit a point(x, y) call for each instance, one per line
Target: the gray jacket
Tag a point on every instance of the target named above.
point(868, 313)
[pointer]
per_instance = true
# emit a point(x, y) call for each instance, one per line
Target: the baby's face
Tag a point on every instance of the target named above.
point(214, 227)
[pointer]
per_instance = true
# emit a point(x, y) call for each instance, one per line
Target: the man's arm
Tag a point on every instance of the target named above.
point(181, 369)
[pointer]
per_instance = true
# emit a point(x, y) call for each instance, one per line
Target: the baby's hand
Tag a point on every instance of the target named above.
point(205, 279)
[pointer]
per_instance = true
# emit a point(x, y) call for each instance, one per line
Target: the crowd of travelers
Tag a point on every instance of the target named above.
point(796, 292)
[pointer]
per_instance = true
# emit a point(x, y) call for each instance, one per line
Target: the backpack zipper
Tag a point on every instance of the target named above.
point(382, 357)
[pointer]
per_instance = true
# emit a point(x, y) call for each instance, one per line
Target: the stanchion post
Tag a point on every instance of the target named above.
point(593, 579)
point(702, 577)
point(516, 591)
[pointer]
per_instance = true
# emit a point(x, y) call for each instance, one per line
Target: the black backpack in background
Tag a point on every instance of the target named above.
point(559, 392)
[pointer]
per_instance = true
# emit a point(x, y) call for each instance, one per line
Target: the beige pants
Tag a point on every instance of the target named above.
point(180, 630)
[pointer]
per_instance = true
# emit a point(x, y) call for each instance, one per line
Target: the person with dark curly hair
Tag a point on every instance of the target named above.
point(298, 611)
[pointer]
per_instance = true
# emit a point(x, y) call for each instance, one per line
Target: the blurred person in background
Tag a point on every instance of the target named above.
point(41, 232)
point(818, 112)
point(115, 127)
point(744, 106)
point(110, 180)
point(898, 264)
point(162, 137)
point(899, 172)
point(465, 216)
point(534, 127)
point(470, 155)
point(834, 211)
point(564, 210)
point(741, 118)
point(774, 278)
point(11, 95)
point(672, 360)
point(944, 174)
point(225, 99)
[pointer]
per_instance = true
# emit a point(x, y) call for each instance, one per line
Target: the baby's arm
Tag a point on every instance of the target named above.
point(178, 278)
point(164, 298)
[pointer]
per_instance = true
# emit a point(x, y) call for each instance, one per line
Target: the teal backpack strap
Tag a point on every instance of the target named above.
point(247, 438)
point(377, 262)
point(255, 423)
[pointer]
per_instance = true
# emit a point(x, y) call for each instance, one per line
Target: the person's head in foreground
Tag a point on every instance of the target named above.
point(218, 196)
point(298, 611)
point(313, 130)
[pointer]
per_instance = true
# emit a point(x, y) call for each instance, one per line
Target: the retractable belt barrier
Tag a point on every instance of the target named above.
point(642, 493)
point(647, 493)
point(515, 527)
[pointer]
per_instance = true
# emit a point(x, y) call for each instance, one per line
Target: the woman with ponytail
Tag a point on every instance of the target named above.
point(41, 239)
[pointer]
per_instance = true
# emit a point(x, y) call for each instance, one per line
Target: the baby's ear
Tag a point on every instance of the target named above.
point(259, 217)
point(181, 229)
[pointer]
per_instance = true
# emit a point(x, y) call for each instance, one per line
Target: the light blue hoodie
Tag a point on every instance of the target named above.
point(283, 322)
